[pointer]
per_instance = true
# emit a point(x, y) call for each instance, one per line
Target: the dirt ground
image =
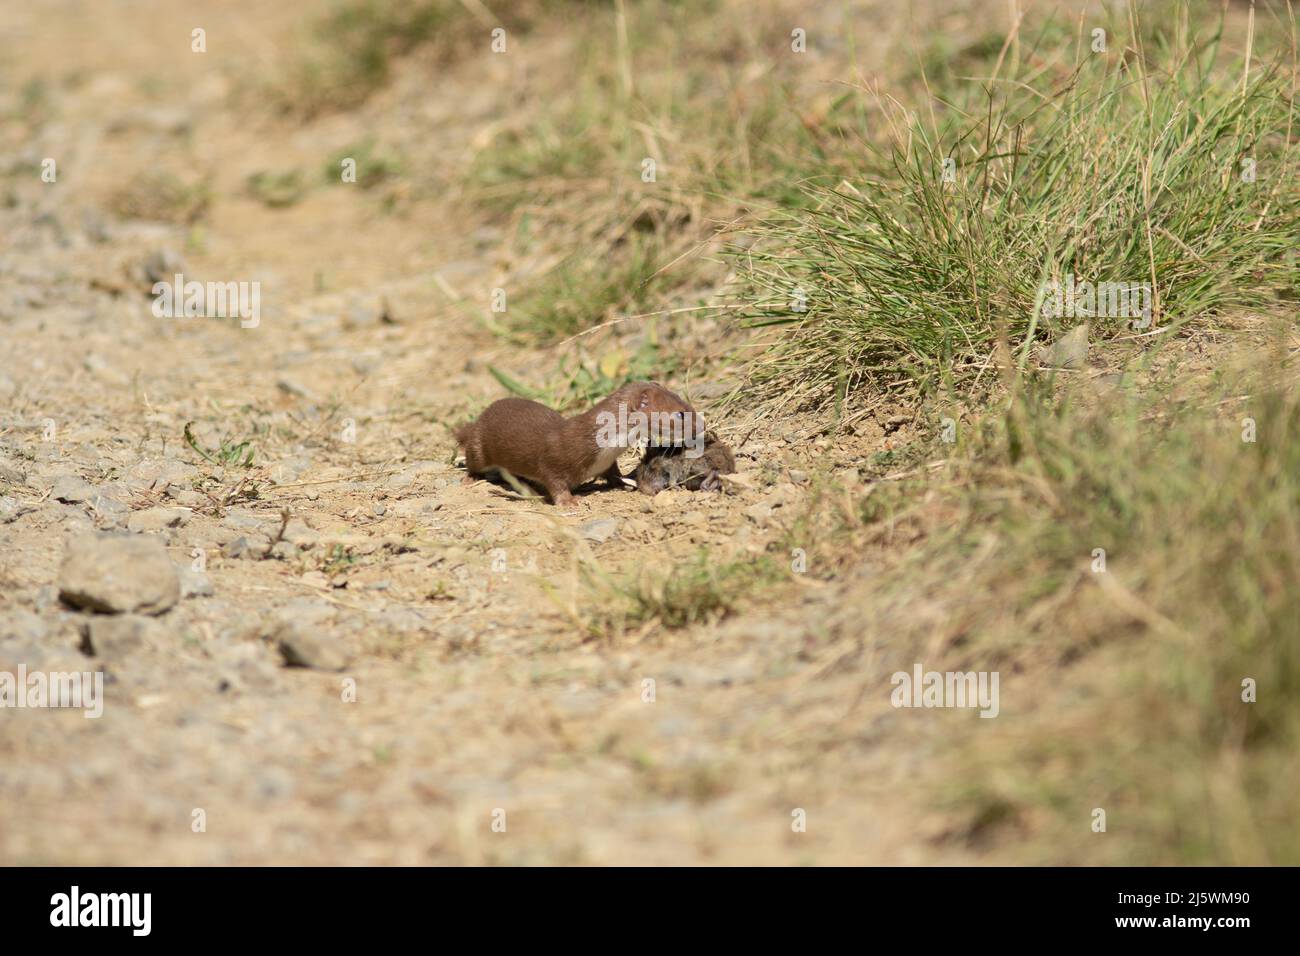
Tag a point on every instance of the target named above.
point(453, 611)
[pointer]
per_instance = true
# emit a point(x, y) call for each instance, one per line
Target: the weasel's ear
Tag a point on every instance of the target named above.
point(644, 398)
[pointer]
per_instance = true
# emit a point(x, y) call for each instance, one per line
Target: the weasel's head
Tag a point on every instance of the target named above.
point(669, 420)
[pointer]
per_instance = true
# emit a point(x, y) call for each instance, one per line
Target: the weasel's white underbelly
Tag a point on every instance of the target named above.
point(605, 458)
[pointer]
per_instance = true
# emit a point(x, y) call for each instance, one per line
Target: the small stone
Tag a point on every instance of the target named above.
point(161, 266)
point(72, 490)
point(156, 519)
point(195, 584)
point(294, 388)
point(284, 550)
point(118, 574)
point(238, 548)
point(1069, 352)
point(301, 647)
point(114, 637)
point(11, 509)
point(600, 530)
point(186, 497)
point(407, 476)
point(23, 626)
point(158, 473)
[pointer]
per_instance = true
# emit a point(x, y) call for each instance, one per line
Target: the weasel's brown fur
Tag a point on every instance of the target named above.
point(540, 445)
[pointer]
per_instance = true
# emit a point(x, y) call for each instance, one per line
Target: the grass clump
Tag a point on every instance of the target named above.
point(698, 590)
point(584, 291)
point(1138, 559)
point(353, 51)
point(1168, 170)
point(354, 47)
point(277, 189)
point(374, 164)
point(160, 196)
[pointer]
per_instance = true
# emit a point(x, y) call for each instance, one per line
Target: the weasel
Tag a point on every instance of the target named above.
point(672, 467)
point(538, 444)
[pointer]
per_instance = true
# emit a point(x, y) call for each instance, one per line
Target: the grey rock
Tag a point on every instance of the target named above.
point(600, 530)
point(1070, 351)
point(284, 550)
point(115, 637)
point(186, 497)
point(118, 574)
point(72, 489)
point(303, 646)
point(246, 521)
point(295, 388)
point(161, 266)
point(406, 477)
point(24, 626)
point(195, 583)
point(298, 533)
point(108, 507)
point(159, 473)
point(11, 509)
point(238, 548)
point(46, 597)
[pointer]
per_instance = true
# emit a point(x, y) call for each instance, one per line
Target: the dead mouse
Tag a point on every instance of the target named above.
point(538, 444)
point(674, 467)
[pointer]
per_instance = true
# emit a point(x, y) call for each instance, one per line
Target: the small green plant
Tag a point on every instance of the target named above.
point(277, 190)
point(581, 379)
point(698, 590)
point(374, 164)
point(337, 560)
point(584, 291)
point(227, 455)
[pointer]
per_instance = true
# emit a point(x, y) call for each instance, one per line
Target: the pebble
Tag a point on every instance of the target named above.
point(600, 530)
point(118, 574)
point(156, 519)
point(114, 637)
point(301, 647)
point(11, 509)
point(72, 490)
point(195, 583)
